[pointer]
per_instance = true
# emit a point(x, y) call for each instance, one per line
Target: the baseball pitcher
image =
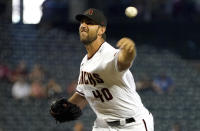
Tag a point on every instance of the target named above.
point(105, 81)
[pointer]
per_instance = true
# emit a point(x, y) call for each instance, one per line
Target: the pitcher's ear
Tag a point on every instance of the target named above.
point(102, 30)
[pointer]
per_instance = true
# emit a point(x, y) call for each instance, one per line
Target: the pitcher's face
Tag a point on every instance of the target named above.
point(88, 31)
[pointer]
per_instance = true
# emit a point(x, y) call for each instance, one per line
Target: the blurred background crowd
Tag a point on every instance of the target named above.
point(40, 62)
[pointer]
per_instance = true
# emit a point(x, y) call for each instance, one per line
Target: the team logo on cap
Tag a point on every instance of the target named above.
point(90, 12)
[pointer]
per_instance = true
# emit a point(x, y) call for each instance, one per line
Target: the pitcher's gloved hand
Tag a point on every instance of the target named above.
point(64, 111)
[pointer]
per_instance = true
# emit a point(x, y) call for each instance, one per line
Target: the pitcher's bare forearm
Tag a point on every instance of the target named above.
point(78, 100)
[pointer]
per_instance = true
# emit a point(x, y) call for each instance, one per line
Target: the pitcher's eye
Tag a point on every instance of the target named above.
point(88, 22)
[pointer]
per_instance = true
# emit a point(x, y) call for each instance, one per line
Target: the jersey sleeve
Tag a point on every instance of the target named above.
point(116, 60)
point(79, 91)
point(79, 88)
point(111, 62)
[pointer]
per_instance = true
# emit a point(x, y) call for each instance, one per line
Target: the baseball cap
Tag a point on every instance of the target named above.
point(94, 14)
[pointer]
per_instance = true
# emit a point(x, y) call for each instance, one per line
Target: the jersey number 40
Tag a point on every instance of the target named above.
point(104, 93)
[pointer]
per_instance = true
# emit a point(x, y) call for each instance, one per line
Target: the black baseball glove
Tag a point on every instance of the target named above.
point(64, 111)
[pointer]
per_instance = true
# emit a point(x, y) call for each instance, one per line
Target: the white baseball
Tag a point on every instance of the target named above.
point(131, 12)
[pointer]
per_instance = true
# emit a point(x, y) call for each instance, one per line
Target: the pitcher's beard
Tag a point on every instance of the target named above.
point(87, 40)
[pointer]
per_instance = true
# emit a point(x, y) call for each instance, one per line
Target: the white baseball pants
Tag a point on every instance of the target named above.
point(145, 124)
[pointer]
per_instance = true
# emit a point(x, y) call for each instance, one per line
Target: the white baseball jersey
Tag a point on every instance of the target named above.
point(110, 93)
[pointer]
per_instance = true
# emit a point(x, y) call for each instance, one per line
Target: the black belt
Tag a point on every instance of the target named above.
point(118, 123)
